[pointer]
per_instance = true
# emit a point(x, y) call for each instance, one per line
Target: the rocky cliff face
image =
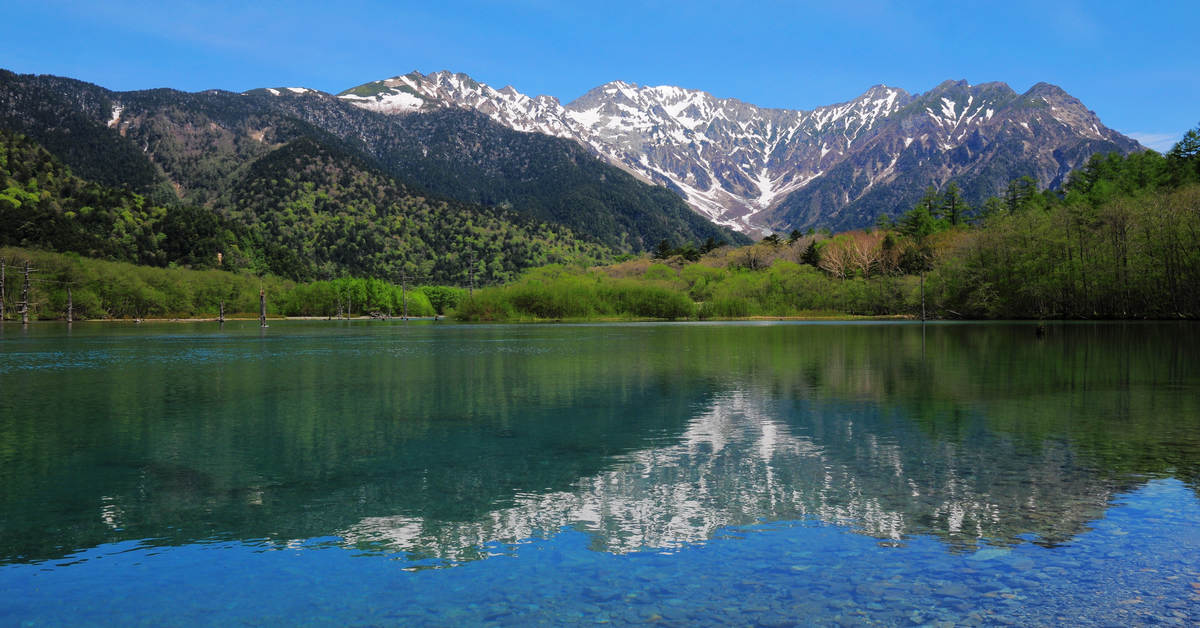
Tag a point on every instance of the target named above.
point(761, 170)
point(980, 136)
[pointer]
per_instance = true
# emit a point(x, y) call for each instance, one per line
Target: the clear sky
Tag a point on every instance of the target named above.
point(1137, 64)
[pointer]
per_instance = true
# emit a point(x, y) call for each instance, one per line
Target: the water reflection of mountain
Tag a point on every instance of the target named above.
point(747, 459)
point(646, 436)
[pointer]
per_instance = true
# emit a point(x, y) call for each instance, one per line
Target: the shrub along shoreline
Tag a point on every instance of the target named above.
point(107, 290)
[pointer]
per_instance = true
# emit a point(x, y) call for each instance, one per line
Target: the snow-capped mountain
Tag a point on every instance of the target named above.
point(980, 136)
point(740, 165)
point(730, 160)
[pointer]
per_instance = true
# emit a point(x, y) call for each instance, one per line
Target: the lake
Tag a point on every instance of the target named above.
point(421, 473)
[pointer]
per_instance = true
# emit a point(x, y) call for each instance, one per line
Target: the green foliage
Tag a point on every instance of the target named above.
point(42, 204)
point(557, 292)
point(443, 298)
point(306, 211)
point(1183, 160)
point(354, 297)
point(316, 209)
point(697, 291)
point(919, 223)
point(1123, 241)
point(688, 251)
point(1128, 257)
point(104, 289)
point(108, 289)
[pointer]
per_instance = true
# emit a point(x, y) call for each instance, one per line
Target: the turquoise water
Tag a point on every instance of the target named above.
point(374, 473)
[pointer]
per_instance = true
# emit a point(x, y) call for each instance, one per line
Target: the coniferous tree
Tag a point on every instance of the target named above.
point(953, 207)
point(1184, 158)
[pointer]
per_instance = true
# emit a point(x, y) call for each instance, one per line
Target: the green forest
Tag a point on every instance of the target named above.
point(306, 211)
point(100, 289)
point(1121, 239)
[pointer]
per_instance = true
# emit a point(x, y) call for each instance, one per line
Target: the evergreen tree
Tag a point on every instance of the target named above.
point(953, 207)
point(1184, 158)
point(930, 201)
point(812, 255)
point(1019, 194)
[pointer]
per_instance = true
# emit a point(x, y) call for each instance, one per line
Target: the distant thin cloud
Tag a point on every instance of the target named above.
point(1161, 142)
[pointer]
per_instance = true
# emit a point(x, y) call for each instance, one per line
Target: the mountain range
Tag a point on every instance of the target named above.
point(762, 170)
point(197, 148)
point(623, 166)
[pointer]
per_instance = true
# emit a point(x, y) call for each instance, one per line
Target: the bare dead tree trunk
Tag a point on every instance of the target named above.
point(404, 294)
point(25, 296)
point(262, 307)
point(221, 312)
point(2, 290)
point(922, 294)
point(70, 306)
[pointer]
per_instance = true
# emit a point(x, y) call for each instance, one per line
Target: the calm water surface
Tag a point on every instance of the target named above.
point(333, 473)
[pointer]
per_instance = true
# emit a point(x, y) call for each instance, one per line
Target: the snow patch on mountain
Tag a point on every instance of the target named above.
point(394, 102)
point(732, 161)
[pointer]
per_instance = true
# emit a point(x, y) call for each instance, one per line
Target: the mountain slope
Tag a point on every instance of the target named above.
point(465, 155)
point(190, 147)
point(70, 119)
point(469, 157)
point(305, 210)
point(729, 159)
point(43, 204)
point(319, 210)
point(736, 164)
point(740, 165)
point(980, 136)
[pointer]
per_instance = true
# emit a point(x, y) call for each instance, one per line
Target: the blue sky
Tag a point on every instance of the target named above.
point(1137, 64)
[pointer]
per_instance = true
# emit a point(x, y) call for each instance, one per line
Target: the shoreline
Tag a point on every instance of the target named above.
point(229, 319)
point(599, 319)
point(519, 321)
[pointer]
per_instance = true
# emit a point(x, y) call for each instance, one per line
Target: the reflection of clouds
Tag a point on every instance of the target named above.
point(737, 464)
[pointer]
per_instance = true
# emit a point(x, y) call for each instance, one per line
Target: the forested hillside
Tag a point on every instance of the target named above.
point(465, 155)
point(305, 211)
point(67, 118)
point(317, 211)
point(191, 148)
point(44, 205)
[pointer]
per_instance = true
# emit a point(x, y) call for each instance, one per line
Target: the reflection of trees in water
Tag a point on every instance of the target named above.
point(648, 436)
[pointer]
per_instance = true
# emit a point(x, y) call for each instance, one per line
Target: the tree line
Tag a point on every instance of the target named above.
point(101, 289)
point(1121, 239)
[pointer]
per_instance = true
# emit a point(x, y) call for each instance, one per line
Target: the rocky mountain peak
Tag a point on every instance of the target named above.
point(737, 163)
point(1047, 90)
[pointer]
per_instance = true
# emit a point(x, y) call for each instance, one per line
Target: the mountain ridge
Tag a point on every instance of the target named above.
point(191, 146)
point(737, 165)
point(730, 160)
